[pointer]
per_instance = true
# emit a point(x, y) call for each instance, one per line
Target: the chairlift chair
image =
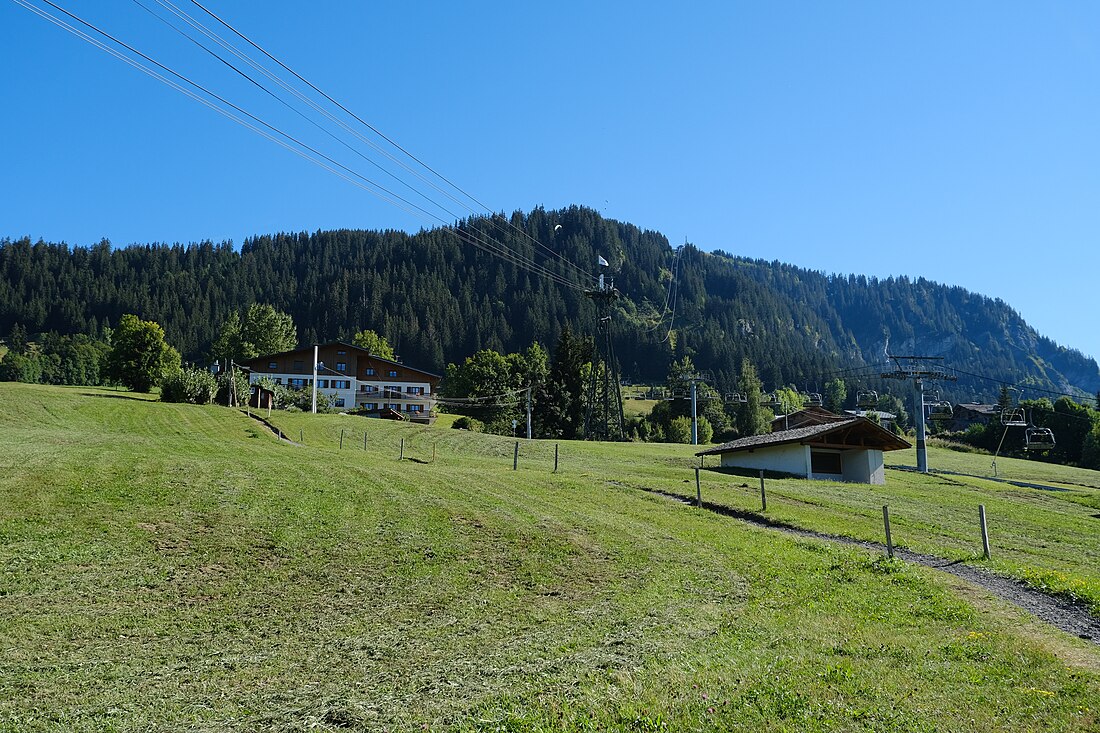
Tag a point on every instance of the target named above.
point(867, 399)
point(736, 397)
point(771, 399)
point(940, 410)
point(1013, 417)
point(1038, 439)
point(814, 398)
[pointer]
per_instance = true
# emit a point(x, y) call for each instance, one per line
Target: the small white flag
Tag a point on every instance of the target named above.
point(602, 262)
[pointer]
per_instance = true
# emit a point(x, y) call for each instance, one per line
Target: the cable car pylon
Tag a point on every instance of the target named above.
point(603, 418)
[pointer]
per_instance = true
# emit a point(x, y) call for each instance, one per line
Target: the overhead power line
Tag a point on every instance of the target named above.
point(280, 137)
point(483, 207)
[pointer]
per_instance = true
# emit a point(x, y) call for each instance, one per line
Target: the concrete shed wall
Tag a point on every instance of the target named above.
point(859, 465)
point(864, 466)
point(790, 458)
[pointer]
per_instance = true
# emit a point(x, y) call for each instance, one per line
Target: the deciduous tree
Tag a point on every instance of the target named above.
point(139, 357)
point(374, 343)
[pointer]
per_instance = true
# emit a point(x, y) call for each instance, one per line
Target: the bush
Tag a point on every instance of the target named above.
point(469, 423)
point(679, 430)
point(225, 385)
point(706, 432)
point(196, 386)
point(302, 399)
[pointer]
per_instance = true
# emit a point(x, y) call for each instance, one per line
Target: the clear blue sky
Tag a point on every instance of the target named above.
point(958, 141)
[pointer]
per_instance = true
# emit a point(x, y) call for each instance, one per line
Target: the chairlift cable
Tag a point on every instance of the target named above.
point(382, 135)
point(505, 251)
point(350, 175)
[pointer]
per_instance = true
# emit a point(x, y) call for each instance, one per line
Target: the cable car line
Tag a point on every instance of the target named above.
point(382, 135)
point(332, 165)
point(505, 251)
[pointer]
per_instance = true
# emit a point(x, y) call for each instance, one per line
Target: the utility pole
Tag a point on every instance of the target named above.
point(694, 380)
point(528, 413)
point(694, 417)
point(919, 369)
point(315, 379)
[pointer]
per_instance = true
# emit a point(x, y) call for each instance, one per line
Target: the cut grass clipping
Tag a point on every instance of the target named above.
point(177, 567)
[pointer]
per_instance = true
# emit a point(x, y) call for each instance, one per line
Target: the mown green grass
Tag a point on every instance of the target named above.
point(176, 567)
point(1050, 539)
point(1013, 469)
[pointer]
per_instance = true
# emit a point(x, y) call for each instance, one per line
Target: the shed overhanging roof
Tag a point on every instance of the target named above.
point(856, 432)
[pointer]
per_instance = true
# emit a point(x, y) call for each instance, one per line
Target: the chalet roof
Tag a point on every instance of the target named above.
point(880, 414)
point(853, 432)
point(346, 345)
point(809, 415)
point(979, 408)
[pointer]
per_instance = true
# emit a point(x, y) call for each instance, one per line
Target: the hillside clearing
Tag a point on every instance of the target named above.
point(176, 567)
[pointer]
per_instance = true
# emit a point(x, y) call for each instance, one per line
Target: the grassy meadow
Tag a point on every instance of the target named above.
point(175, 567)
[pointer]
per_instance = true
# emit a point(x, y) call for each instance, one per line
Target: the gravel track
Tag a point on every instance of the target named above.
point(1070, 616)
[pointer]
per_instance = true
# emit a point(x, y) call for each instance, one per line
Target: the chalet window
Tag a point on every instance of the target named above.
point(370, 372)
point(272, 365)
point(341, 384)
point(822, 462)
point(323, 384)
point(414, 390)
point(341, 353)
point(370, 406)
point(341, 366)
point(415, 408)
point(393, 372)
point(339, 402)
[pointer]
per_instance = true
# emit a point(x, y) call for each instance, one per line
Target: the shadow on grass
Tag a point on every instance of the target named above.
point(117, 396)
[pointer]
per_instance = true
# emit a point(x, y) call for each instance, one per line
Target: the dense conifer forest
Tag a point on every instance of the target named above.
point(437, 299)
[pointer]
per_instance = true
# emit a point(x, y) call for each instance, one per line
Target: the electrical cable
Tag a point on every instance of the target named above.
point(500, 247)
point(389, 140)
point(668, 295)
point(382, 192)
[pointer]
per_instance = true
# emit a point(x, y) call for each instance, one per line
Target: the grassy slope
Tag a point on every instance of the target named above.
point(1050, 539)
point(174, 566)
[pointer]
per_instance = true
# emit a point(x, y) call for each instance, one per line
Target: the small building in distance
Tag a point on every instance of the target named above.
point(809, 415)
point(846, 449)
point(352, 378)
point(885, 419)
point(966, 414)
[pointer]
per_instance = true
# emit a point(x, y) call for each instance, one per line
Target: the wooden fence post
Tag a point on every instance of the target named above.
point(886, 523)
point(985, 531)
point(763, 495)
point(515, 457)
point(555, 457)
point(698, 489)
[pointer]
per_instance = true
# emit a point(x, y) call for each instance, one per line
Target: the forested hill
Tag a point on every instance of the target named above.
point(438, 299)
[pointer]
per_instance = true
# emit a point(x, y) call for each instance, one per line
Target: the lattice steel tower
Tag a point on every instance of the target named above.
point(603, 419)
